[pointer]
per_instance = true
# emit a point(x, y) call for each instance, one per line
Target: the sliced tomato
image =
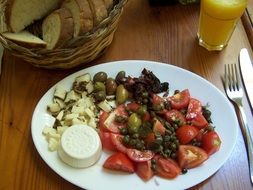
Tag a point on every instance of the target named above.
point(120, 162)
point(101, 123)
point(199, 121)
point(194, 114)
point(106, 140)
point(166, 167)
point(146, 117)
point(191, 156)
point(144, 170)
point(117, 142)
point(211, 142)
point(180, 100)
point(139, 156)
point(157, 100)
point(186, 133)
point(150, 138)
point(107, 120)
point(158, 127)
point(133, 106)
point(199, 136)
point(174, 116)
point(194, 107)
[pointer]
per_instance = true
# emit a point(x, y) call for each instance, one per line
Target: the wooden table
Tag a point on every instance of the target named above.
point(165, 34)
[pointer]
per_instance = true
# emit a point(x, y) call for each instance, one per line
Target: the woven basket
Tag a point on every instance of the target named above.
point(77, 51)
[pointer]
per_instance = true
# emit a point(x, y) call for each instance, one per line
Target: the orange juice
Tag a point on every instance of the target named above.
point(218, 19)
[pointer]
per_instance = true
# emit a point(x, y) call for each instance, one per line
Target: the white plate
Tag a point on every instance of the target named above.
point(95, 178)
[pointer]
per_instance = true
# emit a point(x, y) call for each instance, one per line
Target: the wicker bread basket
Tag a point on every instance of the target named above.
point(82, 49)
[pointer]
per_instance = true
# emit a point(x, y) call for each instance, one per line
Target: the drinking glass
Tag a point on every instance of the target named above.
point(218, 19)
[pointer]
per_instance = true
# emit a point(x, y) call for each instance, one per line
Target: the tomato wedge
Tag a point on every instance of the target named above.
point(194, 107)
point(180, 100)
point(107, 120)
point(103, 116)
point(186, 133)
point(139, 156)
point(191, 156)
point(199, 121)
point(158, 127)
point(211, 142)
point(133, 106)
point(157, 100)
point(120, 162)
point(166, 167)
point(174, 116)
point(194, 114)
point(144, 170)
point(117, 142)
point(106, 140)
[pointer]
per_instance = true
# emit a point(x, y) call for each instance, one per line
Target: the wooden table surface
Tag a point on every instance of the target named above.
point(164, 34)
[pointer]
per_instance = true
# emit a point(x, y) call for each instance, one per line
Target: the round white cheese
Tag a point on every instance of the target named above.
point(80, 146)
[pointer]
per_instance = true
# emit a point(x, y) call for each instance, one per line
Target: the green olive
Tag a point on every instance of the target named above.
point(120, 76)
point(99, 86)
point(100, 77)
point(134, 123)
point(121, 94)
point(100, 96)
point(111, 86)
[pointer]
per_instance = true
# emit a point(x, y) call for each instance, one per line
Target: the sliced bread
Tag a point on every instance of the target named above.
point(57, 28)
point(82, 15)
point(25, 39)
point(99, 10)
point(20, 13)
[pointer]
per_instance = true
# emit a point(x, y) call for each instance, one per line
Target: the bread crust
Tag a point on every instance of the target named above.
point(8, 13)
point(23, 42)
point(99, 10)
point(85, 16)
point(66, 26)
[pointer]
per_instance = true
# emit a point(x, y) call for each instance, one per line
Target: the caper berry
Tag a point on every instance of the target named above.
point(100, 77)
point(139, 146)
point(123, 131)
point(121, 94)
point(184, 171)
point(126, 139)
point(135, 135)
point(111, 86)
point(167, 152)
point(132, 142)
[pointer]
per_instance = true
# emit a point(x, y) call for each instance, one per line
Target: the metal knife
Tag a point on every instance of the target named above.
point(247, 74)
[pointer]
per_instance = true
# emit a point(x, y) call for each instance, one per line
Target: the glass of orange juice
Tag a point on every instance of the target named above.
point(217, 22)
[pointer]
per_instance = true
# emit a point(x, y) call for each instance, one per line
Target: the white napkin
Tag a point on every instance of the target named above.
point(1, 55)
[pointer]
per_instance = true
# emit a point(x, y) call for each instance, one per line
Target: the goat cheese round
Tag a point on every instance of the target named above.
point(80, 146)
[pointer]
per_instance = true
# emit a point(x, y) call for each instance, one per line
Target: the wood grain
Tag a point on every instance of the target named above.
point(165, 34)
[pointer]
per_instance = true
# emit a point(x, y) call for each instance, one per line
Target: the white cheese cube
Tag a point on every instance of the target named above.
point(47, 130)
point(53, 144)
point(60, 92)
point(60, 130)
point(83, 78)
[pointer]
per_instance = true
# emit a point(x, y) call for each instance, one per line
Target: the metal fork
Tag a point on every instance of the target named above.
point(234, 91)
